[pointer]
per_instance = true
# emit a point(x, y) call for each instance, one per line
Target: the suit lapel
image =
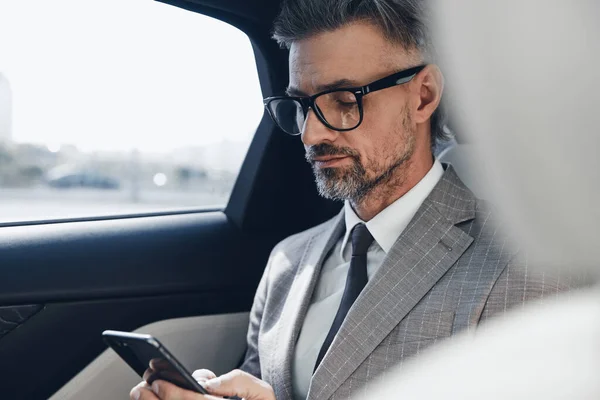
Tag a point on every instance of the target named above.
point(297, 302)
point(424, 252)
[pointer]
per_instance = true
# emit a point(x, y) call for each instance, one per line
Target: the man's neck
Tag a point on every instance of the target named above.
point(404, 179)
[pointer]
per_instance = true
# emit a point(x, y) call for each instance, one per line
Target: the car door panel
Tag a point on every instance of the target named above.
point(109, 258)
point(13, 316)
point(119, 274)
point(215, 342)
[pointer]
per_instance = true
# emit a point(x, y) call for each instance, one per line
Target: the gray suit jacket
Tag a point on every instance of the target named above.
point(449, 270)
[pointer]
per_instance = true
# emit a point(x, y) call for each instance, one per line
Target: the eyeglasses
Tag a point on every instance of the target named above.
point(338, 109)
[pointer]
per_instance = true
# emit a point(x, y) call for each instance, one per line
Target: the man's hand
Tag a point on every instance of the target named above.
point(235, 383)
point(144, 391)
point(240, 384)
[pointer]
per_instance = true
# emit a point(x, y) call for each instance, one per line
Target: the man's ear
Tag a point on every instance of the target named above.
point(429, 87)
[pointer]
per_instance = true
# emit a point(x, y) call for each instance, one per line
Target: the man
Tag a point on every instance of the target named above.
point(413, 257)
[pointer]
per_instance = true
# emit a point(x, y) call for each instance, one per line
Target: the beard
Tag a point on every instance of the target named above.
point(354, 182)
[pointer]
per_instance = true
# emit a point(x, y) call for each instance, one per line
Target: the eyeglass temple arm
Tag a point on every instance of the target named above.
point(393, 80)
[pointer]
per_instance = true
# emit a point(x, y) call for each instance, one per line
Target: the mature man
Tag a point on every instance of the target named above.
point(413, 257)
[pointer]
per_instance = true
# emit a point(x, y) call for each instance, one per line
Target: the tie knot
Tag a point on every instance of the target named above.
point(361, 240)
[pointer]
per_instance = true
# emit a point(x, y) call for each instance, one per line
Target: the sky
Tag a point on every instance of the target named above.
point(114, 75)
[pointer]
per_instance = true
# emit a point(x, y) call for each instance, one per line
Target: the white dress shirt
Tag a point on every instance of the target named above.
point(385, 227)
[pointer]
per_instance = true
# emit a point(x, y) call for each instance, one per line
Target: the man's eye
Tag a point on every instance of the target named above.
point(346, 103)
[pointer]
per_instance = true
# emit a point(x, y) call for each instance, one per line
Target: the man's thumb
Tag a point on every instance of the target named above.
point(225, 385)
point(240, 384)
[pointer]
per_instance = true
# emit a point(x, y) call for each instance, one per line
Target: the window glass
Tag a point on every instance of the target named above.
point(120, 106)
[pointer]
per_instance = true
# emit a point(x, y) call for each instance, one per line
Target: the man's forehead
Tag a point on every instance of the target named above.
point(357, 53)
point(310, 78)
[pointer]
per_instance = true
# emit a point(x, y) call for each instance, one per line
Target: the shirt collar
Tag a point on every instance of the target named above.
point(389, 224)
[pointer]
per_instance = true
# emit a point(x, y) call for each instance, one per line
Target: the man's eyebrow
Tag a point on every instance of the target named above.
point(339, 84)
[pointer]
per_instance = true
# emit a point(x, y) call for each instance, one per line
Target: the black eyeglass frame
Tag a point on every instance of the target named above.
point(395, 79)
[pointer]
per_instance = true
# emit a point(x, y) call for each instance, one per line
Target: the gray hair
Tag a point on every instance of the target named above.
point(404, 22)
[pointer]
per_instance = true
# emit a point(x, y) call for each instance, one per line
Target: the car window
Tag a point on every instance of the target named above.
point(120, 106)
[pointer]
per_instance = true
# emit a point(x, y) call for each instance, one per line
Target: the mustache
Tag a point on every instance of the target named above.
point(326, 149)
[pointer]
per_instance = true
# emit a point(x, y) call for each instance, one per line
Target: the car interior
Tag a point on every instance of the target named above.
point(186, 277)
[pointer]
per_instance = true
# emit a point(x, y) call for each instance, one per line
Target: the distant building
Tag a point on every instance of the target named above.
point(5, 110)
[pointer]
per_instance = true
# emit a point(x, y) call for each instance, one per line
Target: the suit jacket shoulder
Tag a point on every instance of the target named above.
point(287, 254)
point(497, 254)
point(521, 283)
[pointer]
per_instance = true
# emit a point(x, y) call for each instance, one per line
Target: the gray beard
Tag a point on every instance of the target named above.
point(341, 184)
point(352, 183)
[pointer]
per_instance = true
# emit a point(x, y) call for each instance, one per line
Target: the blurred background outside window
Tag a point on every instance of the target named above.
point(120, 106)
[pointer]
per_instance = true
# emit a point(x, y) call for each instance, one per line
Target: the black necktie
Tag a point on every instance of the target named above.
point(355, 282)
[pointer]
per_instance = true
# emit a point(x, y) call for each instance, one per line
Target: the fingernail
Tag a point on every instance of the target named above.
point(155, 387)
point(136, 394)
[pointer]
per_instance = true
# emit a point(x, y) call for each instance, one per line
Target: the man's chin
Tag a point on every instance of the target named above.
point(329, 177)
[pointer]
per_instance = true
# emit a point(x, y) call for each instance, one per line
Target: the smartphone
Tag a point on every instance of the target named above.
point(150, 359)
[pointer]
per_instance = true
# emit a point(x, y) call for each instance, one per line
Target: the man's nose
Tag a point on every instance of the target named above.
point(315, 132)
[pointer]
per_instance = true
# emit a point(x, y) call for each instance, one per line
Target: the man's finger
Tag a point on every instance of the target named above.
point(142, 392)
point(202, 375)
point(241, 384)
point(148, 375)
point(159, 364)
point(167, 391)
